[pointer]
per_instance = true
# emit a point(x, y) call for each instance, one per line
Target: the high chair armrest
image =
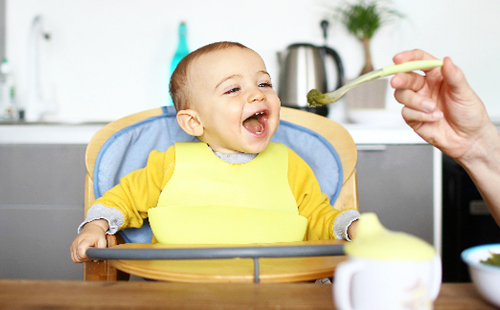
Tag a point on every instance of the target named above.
point(111, 240)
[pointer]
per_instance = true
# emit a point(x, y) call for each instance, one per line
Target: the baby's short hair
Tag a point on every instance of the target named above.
point(178, 80)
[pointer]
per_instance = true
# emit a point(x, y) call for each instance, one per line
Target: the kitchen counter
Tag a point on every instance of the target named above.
point(48, 133)
point(366, 134)
point(81, 133)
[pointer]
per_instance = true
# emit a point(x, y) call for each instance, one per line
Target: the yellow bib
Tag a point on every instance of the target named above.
point(209, 201)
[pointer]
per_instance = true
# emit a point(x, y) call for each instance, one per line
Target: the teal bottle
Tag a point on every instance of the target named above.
point(182, 50)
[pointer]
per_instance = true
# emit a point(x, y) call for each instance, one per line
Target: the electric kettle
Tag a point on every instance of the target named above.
point(302, 68)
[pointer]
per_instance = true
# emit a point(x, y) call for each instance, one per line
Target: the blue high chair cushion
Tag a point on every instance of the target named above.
point(129, 148)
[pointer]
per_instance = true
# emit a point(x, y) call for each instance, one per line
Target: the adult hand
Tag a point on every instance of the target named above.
point(443, 109)
point(440, 106)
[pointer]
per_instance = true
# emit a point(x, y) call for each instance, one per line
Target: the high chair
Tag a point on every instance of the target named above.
point(124, 145)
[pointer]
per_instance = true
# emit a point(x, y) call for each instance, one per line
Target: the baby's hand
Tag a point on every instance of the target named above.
point(93, 234)
point(351, 230)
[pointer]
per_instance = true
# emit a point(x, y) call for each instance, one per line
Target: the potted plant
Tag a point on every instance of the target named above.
point(363, 19)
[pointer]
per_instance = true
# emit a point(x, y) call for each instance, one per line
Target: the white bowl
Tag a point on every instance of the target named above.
point(486, 278)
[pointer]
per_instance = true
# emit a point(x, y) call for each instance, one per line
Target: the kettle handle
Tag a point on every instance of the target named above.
point(338, 62)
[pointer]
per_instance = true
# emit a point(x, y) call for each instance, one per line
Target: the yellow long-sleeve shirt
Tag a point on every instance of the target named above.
point(139, 191)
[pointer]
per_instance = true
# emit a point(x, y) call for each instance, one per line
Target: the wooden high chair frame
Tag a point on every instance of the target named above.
point(333, 132)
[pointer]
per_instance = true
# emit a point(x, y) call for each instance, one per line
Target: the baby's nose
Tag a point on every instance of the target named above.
point(256, 96)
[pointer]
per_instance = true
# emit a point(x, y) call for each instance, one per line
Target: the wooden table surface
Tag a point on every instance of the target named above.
point(40, 294)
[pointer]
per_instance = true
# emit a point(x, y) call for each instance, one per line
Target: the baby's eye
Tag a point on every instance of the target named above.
point(232, 90)
point(266, 84)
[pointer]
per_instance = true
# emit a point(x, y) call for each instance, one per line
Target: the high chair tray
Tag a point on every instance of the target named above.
point(278, 262)
point(138, 251)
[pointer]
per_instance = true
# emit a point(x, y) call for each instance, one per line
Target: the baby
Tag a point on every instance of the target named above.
point(224, 96)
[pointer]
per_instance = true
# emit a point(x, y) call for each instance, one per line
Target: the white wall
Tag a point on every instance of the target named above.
point(110, 58)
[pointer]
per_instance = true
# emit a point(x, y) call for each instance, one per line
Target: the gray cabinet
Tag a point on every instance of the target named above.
point(396, 182)
point(41, 205)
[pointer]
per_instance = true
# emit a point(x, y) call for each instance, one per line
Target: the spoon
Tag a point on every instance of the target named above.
point(316, 98)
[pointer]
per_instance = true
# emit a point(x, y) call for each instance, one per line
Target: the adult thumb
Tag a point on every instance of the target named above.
point(454, 77)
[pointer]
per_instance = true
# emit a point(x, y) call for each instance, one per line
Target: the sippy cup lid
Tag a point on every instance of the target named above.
point(374, 241)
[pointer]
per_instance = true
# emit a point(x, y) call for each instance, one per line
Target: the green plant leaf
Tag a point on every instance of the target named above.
point(364, 18)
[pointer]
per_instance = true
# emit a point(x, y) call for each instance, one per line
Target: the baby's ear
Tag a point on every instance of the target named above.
point(190, 122)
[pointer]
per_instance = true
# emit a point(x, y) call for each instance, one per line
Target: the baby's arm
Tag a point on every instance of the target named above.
point(113, 216)
point(137, 192)
point(324, 221)
point(127, 204)
point(93, 234)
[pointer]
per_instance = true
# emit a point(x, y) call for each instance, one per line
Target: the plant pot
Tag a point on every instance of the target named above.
point(366, 98)
point(370, 95)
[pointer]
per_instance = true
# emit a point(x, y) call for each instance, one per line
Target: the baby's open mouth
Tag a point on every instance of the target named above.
point(256, 123)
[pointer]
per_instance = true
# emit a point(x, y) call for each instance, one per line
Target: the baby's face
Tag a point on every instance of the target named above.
point(232, 93)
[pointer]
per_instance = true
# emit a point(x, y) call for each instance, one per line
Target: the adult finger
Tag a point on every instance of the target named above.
point(456, 80)
point(414, 101)
point(410, 80)
point(415, 54)
point(414, 117)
